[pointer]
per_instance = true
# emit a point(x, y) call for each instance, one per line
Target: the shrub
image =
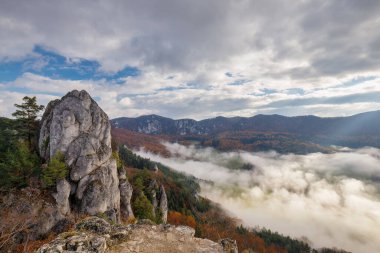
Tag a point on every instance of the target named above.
point(142, 208)
point(55, 171)
point(119, 163)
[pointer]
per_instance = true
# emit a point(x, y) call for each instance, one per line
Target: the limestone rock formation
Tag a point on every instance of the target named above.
point(159, 200)
point(62, 196)
point(126, 191)
point(163, 206)
point(153, 186)
point(77, 127)
point(96, 235)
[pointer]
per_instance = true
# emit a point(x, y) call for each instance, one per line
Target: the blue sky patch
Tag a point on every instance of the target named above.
point(55, 66)
point(357, 80)
point(239, 82)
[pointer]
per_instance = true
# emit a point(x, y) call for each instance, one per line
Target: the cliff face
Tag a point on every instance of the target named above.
point(77, 127)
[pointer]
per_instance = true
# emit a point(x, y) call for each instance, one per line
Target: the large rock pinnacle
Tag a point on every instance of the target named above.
point(76, 126)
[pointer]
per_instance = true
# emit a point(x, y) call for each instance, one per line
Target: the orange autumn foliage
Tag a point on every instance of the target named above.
point(135, 140)
point(216, 225)
point(177, 218)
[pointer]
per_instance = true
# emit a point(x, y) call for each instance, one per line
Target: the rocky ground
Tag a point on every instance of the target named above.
point(97, 235)
point(158, 239)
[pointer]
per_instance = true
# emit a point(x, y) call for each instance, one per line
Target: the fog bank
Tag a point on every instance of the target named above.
point(332, 199)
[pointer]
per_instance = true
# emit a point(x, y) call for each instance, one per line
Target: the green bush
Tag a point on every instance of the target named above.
point(55, 171)
point(119, 163)
point(142, 208)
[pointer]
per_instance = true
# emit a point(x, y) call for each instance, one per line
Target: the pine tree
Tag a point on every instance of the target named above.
point(18, 166)
point(27, 114)
point(55, 171)
point(142, 208)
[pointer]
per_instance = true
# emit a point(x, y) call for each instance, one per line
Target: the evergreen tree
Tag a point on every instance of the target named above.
point(27, 114)
point(142, 208)
point(8, 139)
point(55, 171)
point(18, 165)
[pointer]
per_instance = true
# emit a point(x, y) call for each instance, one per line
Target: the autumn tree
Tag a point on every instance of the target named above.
point(26, 115)
point(177, 218)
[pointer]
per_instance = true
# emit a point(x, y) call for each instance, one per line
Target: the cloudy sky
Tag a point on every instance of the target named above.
point(194, 59)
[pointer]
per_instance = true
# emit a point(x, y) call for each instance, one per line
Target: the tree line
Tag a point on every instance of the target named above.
point(20, 164)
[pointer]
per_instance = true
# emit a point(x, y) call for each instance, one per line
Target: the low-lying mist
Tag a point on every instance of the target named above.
point(331, 199)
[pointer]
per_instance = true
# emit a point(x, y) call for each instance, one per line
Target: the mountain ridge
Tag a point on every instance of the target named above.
point(354, 131)
point(260, 114)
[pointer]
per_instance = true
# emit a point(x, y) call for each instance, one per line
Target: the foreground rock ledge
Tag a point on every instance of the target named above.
point(97, 235)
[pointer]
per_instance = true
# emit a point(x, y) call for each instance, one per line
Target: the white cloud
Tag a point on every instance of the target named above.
point(135, 97)
point(9, 98)
point(332, 199)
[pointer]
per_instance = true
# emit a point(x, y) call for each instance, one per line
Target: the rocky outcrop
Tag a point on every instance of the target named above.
point(165, 238)
point(62, 196)
point(97, 235)
point(229, 245)
point(90, 235)
point(77, 127)
point(153, 187)
point(126, 191)
point(163, 204)
point(159, 200)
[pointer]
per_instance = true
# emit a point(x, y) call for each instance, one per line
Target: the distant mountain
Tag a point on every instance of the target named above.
point(353, 131)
